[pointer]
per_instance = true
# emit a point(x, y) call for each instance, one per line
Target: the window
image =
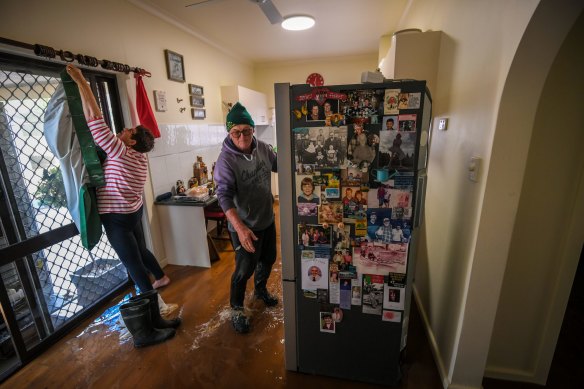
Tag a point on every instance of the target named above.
point(47, 278)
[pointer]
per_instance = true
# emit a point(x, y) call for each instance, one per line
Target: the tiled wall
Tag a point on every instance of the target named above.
point(176, 150)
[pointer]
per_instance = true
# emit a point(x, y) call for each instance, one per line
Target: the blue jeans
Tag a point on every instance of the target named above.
point(126, 236)
point(246, 264)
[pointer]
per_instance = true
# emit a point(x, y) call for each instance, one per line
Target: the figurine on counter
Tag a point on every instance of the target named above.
point(180, 188)
point(211, 184)
point(200, 171)
point(193, 182)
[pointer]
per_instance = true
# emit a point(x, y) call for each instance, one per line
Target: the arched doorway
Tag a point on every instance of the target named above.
point(540, 270)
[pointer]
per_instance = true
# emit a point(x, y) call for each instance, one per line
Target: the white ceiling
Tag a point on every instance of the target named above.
point(240, 28)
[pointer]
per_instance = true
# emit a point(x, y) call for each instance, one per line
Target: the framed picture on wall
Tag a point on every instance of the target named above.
point(197, 101)
point(195, 90)
point(175, 67)
point(160, 100)
point(198, 113)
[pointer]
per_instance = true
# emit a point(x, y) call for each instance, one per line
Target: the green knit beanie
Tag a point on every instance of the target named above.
point(238, 115)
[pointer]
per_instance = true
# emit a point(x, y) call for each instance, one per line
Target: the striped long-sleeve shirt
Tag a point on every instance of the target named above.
point(125, 172)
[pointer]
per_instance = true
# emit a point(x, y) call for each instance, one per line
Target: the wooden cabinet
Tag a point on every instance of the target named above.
point(413, 55)
point(255, 102)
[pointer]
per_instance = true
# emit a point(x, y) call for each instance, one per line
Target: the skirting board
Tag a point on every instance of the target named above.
point(501, 373)
point(490, 372)
point(434, 347)
point(432, 341)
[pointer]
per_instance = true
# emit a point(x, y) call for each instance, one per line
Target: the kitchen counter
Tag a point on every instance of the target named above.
point(184, 231)
point(190, 203)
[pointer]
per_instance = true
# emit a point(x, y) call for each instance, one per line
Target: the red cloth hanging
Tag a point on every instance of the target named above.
point(144, 109)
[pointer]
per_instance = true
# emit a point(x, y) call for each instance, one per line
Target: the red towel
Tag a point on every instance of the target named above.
point(145, 113)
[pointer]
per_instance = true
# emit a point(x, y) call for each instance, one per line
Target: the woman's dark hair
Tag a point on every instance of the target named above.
point(144, 140)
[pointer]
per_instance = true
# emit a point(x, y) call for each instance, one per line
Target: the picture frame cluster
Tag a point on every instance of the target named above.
point(197, 101)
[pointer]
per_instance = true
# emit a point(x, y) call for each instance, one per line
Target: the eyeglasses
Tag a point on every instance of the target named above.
point(245, 132)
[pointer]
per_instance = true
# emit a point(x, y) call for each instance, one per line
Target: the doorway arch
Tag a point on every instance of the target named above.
point(510, 168)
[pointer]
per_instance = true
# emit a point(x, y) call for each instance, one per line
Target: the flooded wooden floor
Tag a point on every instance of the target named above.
point(206, 352)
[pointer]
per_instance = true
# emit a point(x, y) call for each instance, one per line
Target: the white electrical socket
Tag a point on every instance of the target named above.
point(442, 124)
point(474, 168)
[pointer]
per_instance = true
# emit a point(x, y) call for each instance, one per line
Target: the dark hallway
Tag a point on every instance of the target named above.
point(567, 370)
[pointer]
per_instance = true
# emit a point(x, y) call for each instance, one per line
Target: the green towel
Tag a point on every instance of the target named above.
point(89, 223)
point(88, 148)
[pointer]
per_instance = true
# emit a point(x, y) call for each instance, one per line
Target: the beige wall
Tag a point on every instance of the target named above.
point(539, 249)
point(335, 71)
point(121, 32)
point(472, 69)
point(489, 85)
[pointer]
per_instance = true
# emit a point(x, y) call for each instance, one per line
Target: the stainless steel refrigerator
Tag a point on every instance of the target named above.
point(352, 176)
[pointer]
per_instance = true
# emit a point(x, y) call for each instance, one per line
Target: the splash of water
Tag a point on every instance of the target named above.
point(205, 330)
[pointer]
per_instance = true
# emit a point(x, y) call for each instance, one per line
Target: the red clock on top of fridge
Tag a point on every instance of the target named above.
point(315, 79)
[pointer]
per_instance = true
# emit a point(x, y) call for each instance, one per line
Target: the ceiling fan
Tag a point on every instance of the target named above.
point(267, 7)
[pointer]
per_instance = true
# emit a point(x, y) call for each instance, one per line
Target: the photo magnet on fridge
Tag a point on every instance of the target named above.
point(372, 294)
point(327, 324)
point(391, 101)
point(394, 291)
point(393, 316)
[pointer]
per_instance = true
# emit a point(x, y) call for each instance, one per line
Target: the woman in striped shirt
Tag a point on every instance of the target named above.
point(120, 201)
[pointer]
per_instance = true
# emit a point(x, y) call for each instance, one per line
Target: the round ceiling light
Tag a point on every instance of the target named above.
point(298, 22)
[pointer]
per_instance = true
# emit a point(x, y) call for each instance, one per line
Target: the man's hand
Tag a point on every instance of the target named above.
point(244, 234)
point(246, 238)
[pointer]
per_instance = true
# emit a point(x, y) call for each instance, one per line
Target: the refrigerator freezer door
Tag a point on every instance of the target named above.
point(290, 353)
point(285, 171)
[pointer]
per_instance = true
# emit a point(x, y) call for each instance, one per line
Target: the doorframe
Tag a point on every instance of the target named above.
point(567, 264)
point(545, 33)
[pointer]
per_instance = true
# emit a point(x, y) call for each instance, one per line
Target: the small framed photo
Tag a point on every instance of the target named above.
point(198, 113)
point(195, 90)
point(197, 101)
point(160, 100)
point(175, 67)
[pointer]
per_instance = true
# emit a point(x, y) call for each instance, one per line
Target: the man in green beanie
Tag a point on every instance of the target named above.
point(244, 189)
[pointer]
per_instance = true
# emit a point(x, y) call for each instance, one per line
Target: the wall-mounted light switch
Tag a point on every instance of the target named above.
point(443, 124)
point(474, 168)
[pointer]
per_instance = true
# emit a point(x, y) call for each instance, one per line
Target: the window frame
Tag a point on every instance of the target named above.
point(19, 247)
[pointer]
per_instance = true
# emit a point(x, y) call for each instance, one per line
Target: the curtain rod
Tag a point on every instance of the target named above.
point(67, 56)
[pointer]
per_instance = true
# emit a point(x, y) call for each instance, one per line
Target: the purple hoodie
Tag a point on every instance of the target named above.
point(244, 182)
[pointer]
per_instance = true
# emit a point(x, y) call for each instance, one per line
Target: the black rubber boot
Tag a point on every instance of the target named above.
point(240, 321)
point(269, 299)
point(136, 315)
point(157, 320)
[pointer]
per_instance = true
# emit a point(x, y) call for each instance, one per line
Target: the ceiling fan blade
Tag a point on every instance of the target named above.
point(270, 11)
point(199, 3)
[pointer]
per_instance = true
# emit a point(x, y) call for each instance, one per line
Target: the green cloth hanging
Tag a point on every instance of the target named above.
point(89, 221)
point(88, 148)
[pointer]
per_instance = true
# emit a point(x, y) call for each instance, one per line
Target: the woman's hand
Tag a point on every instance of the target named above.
point(91, 109)
point(75, 74)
